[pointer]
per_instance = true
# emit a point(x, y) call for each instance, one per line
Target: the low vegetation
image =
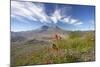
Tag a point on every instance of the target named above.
point(74, 47)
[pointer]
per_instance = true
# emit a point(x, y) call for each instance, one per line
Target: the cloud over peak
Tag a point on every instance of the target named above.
point(36, 12)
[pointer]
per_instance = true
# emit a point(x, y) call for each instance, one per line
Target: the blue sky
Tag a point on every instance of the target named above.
point(30, 16)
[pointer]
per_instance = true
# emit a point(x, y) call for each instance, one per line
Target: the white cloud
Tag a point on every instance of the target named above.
point(78, 23)
point(36, 12)
point(28, 10)
point(56, 16)
point(54, 19)
point(72, 21)
point(66, 19)
point(18, 18)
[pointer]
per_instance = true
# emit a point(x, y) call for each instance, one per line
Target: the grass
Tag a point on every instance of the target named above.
point(75, 47)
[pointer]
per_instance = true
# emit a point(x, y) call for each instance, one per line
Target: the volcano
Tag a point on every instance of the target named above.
point(50, 29)
point(43, 31)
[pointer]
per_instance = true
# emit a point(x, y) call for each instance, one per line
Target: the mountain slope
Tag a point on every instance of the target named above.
point(43, 31)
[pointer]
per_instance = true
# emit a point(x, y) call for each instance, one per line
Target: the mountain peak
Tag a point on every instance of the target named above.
point(47, 28)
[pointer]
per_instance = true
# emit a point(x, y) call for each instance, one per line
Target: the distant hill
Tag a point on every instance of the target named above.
point(44, 32)
point(40, 32)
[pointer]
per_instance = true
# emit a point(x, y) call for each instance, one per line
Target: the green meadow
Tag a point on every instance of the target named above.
point(73, 47)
